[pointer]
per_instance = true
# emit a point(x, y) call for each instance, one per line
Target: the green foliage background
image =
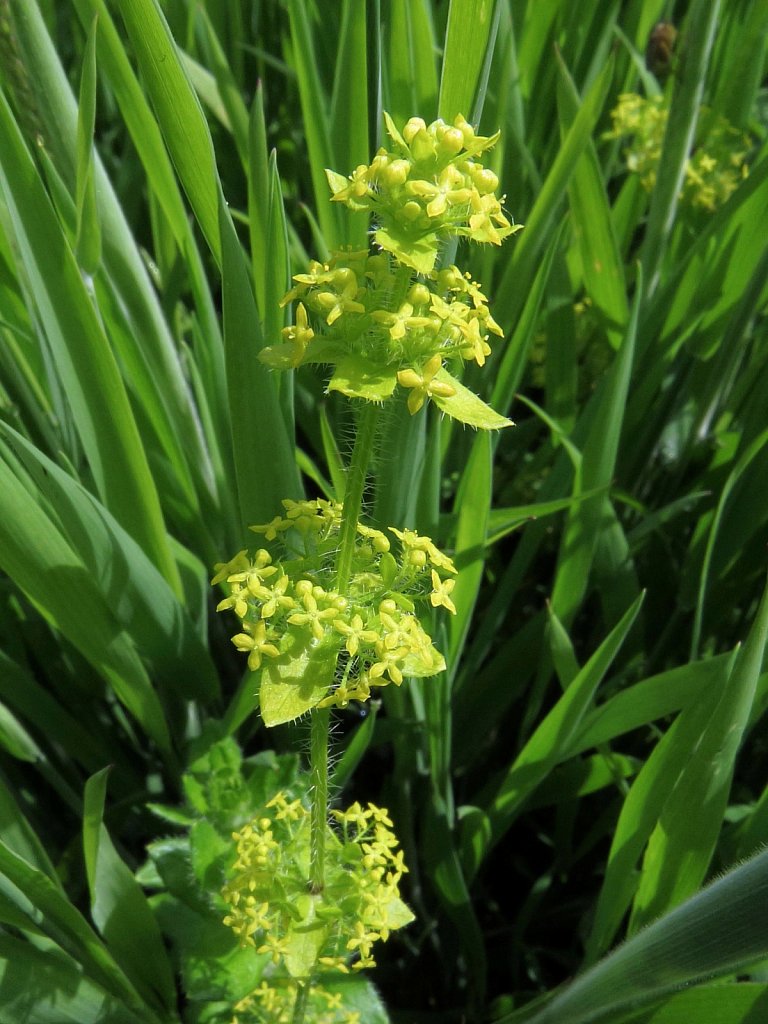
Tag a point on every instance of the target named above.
point(595, 751)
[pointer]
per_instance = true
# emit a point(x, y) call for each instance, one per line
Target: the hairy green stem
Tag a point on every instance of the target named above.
point(300, 1006)
point(319, 782)
point(353, 497)
point(318, 764)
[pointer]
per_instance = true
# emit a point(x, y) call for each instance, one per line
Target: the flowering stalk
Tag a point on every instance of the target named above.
point(328, 608)
point(353, 495)
point(318, 773)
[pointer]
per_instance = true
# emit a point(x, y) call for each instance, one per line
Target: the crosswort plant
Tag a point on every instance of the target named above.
point(329, 607)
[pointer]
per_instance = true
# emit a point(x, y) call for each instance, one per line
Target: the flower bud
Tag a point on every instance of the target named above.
point(419, 295)
point(423, 147)
point(344, 277)
point(378, 165)
point(452, 141)
point(485, 180)
point(449, 279)
point(411, 210)
point(395, 173)
point(466, 129)
point(415, 125)
point(324, 301)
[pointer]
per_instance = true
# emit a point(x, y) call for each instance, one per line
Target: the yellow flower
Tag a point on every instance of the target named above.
point(256, 643)
point(401, 321)
point(441, 591)
point(423, 385)
point(355, 633)
point(448, 190)
point(299, 334)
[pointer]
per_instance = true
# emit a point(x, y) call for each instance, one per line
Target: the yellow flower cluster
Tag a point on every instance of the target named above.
point(389, 317)
point(715, 168)
point(272, 905)
point(428, 185)
point(273, 1004)
point(287, 600)
point(365, 308)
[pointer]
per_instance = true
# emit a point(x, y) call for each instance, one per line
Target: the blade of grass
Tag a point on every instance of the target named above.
point(348, 116)
point(470, 36)
point(747, 457)
point(412, 74)
point(731, 931)
point(178, 111)
point(62, 922)
point(680, 848)
point(264, 462)
point(62, 994)
point(141, 600)
point(120, 909)
point(88, 369)
point(540, 223)
point(35, 555)
point(88, 243)
point(550, 741)
point(258, 196)
point(701, 25)
point(473, 500)
point(640, 813)
point(598, 461)
point(592, 226)
point(316, 121)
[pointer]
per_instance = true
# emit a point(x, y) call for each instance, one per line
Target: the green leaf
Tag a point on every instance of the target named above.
point(641, 809)
point(134, 590)
point(587, 518)
point(742, 1002)
point(681, 846)
point(88, 243)
point(678, 138)
point(358, 994)
point(317, 126)
point(472, 508)
point(470, 34)
point(348, 110)
point(541, 223)
point(46, 987)
point(416, 251)
point(178, 111)
point(716, 932)
point(592, 224)
point(296, 681)
point(259, 433)
point(41, 562)
point(15, 739)
point(549, 743)
point(356, 377)
point(466, 407)
point(412, 70)
point(51, 911)
point(304, 944)
point(119, 907)
point(87, 367)
point(20, 837)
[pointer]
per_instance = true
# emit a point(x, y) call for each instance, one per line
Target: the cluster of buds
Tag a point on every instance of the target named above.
point(389, 317)
point(290, 611)
point(380, 328)
point(713, 171)
point(273, 910)
point(274, 1004)
point(428, 187)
